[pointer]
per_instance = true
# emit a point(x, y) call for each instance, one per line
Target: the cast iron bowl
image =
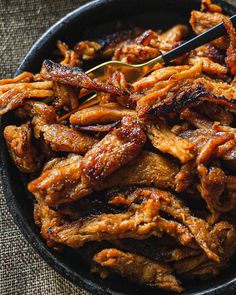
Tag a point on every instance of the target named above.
point(98, 17)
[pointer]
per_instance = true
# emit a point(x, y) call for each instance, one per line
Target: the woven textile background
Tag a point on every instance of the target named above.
point(22, 271)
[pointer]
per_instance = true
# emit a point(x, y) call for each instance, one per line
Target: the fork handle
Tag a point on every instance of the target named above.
point(208, 36)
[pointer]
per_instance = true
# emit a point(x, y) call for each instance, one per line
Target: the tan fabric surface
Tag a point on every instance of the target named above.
point(22, 271)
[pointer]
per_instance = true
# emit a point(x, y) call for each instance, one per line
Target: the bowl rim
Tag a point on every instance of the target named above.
point(21, 221)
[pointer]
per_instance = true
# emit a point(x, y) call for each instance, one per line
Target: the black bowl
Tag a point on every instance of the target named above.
point(98, 16)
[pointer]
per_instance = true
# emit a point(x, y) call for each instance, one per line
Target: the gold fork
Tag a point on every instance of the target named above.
point(134, 72)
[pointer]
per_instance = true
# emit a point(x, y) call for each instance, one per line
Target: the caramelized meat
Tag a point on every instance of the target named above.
point(75, 77)
point(203, 21)
point(167, 142)
point(21, 148)
point(60, 184)
point(12, 96)
point(117, 148)
point(100, 114)
point(65, 139)
point(147, 169)
point(231, 51)
point(70, 57)
point(87, 50)
point(138, 269)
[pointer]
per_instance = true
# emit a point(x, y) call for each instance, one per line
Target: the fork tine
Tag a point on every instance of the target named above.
point(91, 101)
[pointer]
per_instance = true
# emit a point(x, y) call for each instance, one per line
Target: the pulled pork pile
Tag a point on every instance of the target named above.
point(147, 171)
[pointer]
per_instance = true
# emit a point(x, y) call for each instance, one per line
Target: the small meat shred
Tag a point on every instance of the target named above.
point(117, 148)
point(138, 269)
point(21, 147)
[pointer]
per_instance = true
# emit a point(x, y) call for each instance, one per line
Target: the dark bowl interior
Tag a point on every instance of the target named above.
point(96, 20)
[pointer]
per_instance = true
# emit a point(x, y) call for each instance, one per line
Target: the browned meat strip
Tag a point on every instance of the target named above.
point(117, 148)
point(66, 95)
point(208, 66)
point(138, 269)
point(212, 188)
point(174, 207)
point(140, 222)
point(75, 77)
point(209, 143)
point(231, 51)
point(60, 184)
point(167, 142)
point(70, 56)
point(196, 119)
point(171, 38)
point(63, 138)
point(147, 169)
point(21, 148)
point(87, 50)
point(16, 95)
point(134, 53)
point(203, 21)
point(99, 114)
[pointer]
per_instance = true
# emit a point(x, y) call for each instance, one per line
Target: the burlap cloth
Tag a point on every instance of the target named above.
point(22, 271)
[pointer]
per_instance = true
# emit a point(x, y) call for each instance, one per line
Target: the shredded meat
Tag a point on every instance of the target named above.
point(12, 96)
point(75, 77)
point(117, 148)
point(21, 147)
point(203, 21)
point(167, 142)
point(100, 114)
point(70, 57)
point(63, 138)
point(231, 51)
point(147, 169)
point(138, 269)
point(87, 49)
point(60, 184)
point(141, 174)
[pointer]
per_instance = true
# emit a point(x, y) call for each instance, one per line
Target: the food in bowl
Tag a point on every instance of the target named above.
point(146, 171)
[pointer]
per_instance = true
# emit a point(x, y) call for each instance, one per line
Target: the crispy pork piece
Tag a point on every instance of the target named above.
point(147, 169)
point(216, 113)
point(176, 208)
point(195, 119)
point(87, 50)
point(75, 77)
point(203, 21)
point(166, 94)
point(210, 51)
point(61, 184)
point(71, 58)
point(23, 77)
point(134, 53)
point(65, 139)
point(171, 38)
point(208, 66)
point(138, 269)
point(185, 177)
point(231, 51)
point(156, 76)
point(212, 189)
point(167, 142)
point(66, 95)
point(176, 97)
point(13, 95)
point(208, 6)
point(49, 218)
point(21, 148)
point(209, 143)
point(117, 148)
point(100, 114)
point(139, 222)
